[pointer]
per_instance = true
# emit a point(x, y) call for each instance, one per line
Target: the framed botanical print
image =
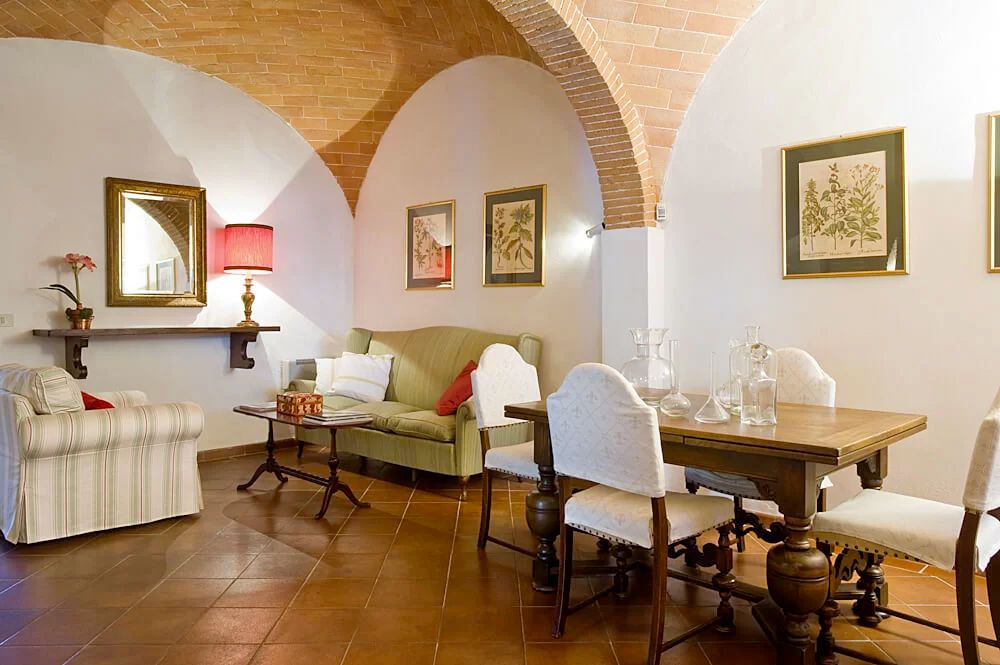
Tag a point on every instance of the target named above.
point(514, 247)
point(430, 246)
point(994, 209)
point(844, 206)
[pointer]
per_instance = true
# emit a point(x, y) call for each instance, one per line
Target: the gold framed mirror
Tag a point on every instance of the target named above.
point(156, 244)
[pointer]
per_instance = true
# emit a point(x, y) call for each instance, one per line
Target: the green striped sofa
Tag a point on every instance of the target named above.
point(407, 430)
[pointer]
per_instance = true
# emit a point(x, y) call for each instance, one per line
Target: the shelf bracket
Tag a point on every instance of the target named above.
point(74, 356)
point(238, 341)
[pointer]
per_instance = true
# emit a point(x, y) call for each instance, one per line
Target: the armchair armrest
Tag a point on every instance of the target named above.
point(65, 434)
point(302, 385)
point(124, 398)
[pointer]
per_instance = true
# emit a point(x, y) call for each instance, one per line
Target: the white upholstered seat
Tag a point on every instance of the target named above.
point(628, 518)
point(906, 527)
point(517, 460)
point(501, 378)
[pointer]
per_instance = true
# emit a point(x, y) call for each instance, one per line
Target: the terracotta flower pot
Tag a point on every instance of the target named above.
point(80, 318)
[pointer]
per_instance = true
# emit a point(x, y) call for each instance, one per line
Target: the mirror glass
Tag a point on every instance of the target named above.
point(156, 244)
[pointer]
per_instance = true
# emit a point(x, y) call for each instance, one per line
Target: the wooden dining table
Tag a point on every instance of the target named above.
point(785, 461)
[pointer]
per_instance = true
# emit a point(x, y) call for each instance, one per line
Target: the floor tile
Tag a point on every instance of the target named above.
point(11, 621)
point(214, 566)
point(150, 625)
point(685, 653)
point(408, 593)
point(566, 653)
point(39, 592)
point(65, 627)
point(185, 593)
point(301, 626)
point(232, 625)
point(334, 593)
point(494, 653)
point(284, 565)
point(119, 655)
point(481, 624)
point(300, 654)
point(50, 655)
point(209, 654)
point(399, 625)
point(259, 593)
point(366, 653)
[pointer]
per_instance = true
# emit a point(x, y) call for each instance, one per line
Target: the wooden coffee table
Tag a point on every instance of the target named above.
point(270, 465)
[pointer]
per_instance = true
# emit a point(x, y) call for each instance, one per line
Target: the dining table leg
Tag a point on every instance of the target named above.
point(798, 579)
point(542, 513)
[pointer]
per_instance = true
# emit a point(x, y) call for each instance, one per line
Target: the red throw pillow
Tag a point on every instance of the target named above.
point(90, 403)
point(459, 391)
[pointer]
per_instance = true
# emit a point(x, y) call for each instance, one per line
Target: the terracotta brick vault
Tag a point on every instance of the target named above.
point(338, 70)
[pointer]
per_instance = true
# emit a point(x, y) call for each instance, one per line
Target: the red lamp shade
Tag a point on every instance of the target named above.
point(249, 248)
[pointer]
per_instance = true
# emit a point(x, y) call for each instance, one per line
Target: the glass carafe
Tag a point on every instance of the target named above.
point(675, 404)
point(739, 366)
point(759, 390)
point(650, 373)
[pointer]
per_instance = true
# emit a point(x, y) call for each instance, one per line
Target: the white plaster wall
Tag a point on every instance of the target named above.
point(72, 114)
point(485, 124)
point(807, 69)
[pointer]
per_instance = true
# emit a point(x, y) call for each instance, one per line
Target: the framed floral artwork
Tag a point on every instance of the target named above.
point(430, 246)
point(514, 247)
point(844, 206)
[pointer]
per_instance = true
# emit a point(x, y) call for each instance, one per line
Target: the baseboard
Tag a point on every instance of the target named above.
point(242, 449)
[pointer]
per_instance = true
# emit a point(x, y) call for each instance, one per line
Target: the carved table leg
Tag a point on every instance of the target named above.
point(798, 574)
point(824, 641)
point(74, 356)
point(270, 464)
point(542, 513)
point(333, 483)
point(872, 472)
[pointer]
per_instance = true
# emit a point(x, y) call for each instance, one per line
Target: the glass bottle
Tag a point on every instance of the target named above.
point(675, 404)
point(759, 390)
point(739, 366)
point(650, 373)
point(712, 411)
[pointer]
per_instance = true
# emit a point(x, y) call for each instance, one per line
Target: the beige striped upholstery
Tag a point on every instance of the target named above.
point(73, 473)
point(47, 389)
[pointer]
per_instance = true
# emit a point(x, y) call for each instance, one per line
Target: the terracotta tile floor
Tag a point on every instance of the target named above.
point(255, 579)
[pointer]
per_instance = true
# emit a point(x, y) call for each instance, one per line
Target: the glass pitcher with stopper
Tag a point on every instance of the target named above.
point(739, 366)
point(759, 390)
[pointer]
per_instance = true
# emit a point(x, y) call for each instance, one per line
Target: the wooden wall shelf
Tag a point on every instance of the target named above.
point(77, 340)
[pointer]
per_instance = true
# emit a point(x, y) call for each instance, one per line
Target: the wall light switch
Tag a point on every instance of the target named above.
point(6, 320)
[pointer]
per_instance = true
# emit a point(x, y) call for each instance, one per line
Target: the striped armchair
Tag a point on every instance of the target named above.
point(70, 473)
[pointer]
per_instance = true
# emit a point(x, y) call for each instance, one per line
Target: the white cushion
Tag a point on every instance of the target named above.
point(517, 460)
point(355, 375)
point(48, 389)
point(904, 525)
point(623, 516)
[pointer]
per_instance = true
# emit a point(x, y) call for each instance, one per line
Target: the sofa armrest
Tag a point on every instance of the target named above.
point(468, 450)
point(124, 398)
point(65, 434)
point(302, 385)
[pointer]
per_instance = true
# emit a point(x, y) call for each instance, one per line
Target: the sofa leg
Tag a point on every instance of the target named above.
point(463, 485)
point(364, 464)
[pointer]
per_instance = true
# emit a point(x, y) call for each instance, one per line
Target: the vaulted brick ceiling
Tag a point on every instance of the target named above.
point(339, 70)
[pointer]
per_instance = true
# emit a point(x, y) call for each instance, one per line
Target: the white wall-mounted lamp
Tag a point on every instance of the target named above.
point(595, 230)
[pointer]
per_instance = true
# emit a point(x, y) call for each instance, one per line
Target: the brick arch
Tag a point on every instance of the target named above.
point(339, 70)
point(571, 49)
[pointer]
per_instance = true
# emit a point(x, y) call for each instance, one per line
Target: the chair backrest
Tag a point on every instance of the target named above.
point(502, 378)
point(602, 432)
point(982, 484)
point(802, 381)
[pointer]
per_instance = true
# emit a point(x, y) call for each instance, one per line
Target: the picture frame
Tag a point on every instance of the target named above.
point(430, 246)
point(993, 240)
point(844, 206)
point(166, 276)
point(514, 236)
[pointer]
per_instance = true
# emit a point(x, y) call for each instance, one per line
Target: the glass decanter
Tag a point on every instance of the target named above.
point(675, 404)
point(650, 373)
point(739, 366)
point(712, 411)
point(759, 390)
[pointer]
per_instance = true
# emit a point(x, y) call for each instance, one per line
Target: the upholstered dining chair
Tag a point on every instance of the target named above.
point(502, 377)
point(605, 436)
point(961, 538)
point(800, 381)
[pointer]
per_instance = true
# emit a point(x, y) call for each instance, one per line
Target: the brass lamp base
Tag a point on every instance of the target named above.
point(247, 299)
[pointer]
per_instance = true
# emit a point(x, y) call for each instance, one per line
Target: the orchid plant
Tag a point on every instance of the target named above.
point(77, 263)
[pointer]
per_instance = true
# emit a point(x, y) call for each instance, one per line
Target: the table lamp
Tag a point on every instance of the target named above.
point(248, 251)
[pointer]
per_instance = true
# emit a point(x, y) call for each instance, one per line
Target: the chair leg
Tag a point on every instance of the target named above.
point(965, 585)
point(622, 554)
point(872, 577)
point(484, 516)
point(724, 582)
point(565, 579)
point(741, 544)
point(603, 545)
point(993, 590)
point(463, 485)
point(661, 537)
